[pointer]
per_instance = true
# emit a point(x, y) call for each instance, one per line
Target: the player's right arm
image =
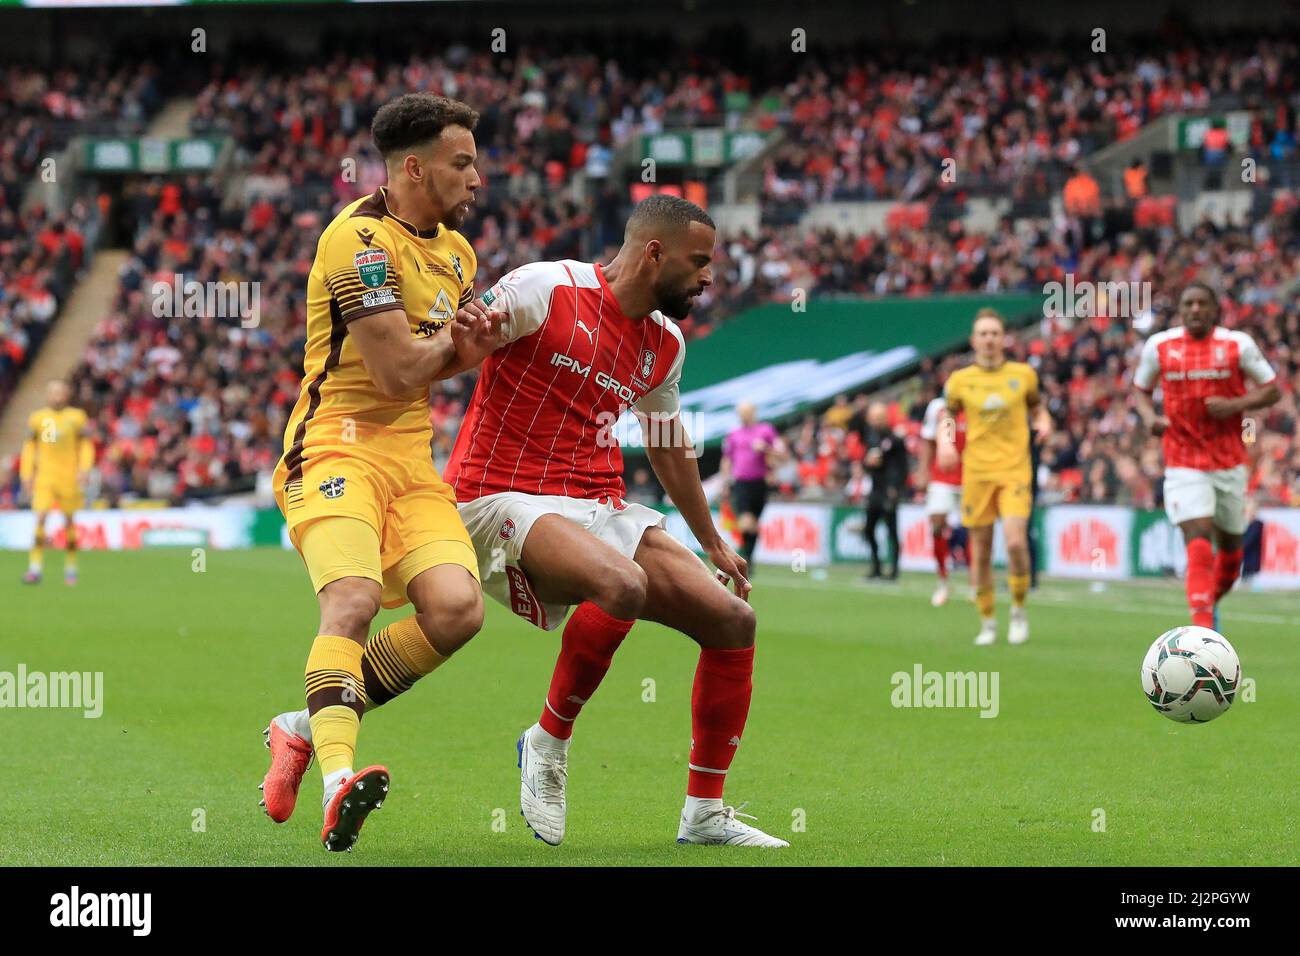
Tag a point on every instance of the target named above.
point(27, 460)
point(363, 276)
point(1144, 381)
point(945, 438)
point(397, 361)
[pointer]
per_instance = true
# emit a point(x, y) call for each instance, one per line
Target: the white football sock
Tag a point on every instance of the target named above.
point(299, 722)
point(540, 737)
point(696, 807)
point(332, 783)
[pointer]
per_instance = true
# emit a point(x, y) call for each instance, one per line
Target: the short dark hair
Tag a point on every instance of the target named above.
point(417, 118)
point(663, 209)
point(1205, 287)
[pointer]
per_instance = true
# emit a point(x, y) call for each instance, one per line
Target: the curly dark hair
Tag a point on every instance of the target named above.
point(417, 118)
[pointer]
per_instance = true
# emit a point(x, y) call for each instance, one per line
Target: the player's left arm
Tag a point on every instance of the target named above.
point(1041, 417)
point(27, 465)
point(675, 465)
point(1255, 367)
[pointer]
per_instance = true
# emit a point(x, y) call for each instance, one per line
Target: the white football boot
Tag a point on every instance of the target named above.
point(940, 596)
point(988, 632)
point(543, 772)
point(718, 825)
point(1018, 630)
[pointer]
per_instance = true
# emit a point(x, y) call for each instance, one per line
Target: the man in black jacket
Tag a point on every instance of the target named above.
point(886, 463)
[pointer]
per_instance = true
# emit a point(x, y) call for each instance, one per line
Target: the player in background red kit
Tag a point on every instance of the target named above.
point(1202, 371)
point(942, 486)
point(539, 477)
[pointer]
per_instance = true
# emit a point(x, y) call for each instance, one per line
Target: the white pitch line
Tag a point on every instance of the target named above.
point(1057, 599)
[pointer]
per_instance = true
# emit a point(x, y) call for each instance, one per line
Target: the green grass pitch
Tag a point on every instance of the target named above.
point(195, 664)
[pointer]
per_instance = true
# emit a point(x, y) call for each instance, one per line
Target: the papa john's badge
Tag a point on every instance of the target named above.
point(372, 267)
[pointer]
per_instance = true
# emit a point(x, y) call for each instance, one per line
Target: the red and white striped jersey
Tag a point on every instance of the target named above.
point(541, 418)
point(934, 413)
point(1190, 370)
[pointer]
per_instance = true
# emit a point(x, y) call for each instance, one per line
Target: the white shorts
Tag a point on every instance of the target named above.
point(942, 499)
point(1221, 495)
point(499, 524)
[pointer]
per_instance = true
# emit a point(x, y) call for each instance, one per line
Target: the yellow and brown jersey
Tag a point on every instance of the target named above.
point(996, 403)
point(369, 261)
point(57, 447)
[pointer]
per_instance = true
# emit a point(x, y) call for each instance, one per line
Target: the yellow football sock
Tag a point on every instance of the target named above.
point(36, 555)
point(984, 601)
point(334, 731)
point(1019, 584)
point(336, 699)
point(395, 658)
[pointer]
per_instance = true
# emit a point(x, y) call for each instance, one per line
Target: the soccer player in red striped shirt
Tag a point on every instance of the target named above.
point(1209, 376)
point(942, 485)
point(539, 477)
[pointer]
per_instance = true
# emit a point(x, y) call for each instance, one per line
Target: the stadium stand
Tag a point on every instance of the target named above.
point(195, 408)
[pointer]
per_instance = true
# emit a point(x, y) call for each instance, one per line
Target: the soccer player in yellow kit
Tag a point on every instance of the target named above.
point(56, 456)
point(389, 310)
point(998, 397)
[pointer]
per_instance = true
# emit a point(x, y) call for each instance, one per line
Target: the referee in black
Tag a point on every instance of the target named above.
point(886, 463)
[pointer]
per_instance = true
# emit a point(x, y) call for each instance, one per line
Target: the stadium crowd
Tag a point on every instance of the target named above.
point(196, 408)
point(42, 252)
point(883, 127)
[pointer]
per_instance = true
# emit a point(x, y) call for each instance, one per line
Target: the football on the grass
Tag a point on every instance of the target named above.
point(1190, 674)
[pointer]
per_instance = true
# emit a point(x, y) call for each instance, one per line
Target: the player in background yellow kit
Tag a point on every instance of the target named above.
point(998, 397)
point(56, 457)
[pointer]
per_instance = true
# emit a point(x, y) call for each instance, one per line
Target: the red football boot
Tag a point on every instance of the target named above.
point(290, 757)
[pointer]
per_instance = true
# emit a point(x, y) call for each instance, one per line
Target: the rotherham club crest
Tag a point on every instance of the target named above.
point(507, 530)
point(647, 363)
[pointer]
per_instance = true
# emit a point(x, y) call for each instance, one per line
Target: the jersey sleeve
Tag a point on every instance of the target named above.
point(525, 297)
point(952, 393)
point(1031, 386)
point(1253, 364)
point(361, 273)
point(664, 399)
point(930, 424)
point(1148, 367)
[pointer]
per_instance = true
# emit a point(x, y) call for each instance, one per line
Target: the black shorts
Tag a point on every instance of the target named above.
point(748, 497)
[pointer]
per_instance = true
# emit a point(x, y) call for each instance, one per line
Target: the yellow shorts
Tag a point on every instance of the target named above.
point(383, 519)
point(984, 500)
point(57, 496)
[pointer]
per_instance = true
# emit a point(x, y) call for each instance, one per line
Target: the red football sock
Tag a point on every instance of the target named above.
point(590, 639)
point(941, 553)
point(1200, 581)
point(719, 706)
point(1227, 565)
